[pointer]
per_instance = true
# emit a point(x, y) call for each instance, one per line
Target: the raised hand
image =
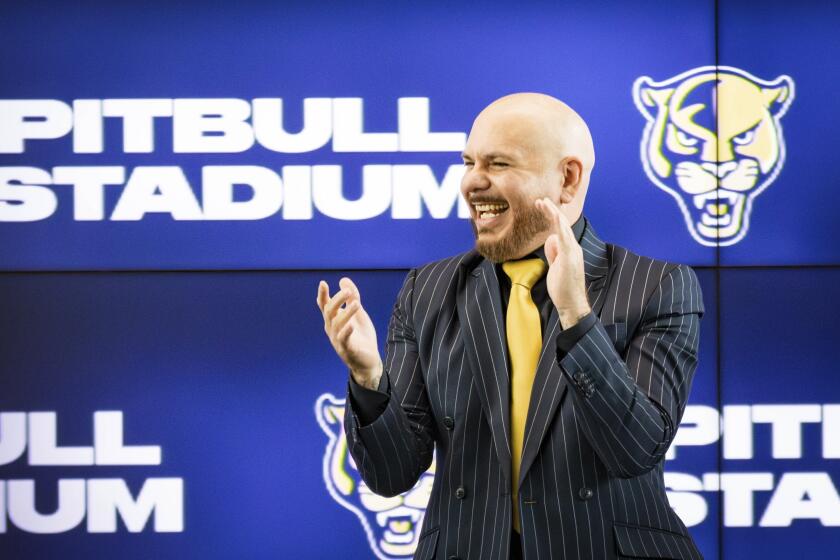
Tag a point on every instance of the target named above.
point(351, 331)
point(565, 280)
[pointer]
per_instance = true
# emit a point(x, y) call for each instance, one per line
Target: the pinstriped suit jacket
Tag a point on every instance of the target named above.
point(599, 422)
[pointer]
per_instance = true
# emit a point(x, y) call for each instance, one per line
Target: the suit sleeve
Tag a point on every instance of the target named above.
point(396, 446)
point(629, 408)
point(369, 404)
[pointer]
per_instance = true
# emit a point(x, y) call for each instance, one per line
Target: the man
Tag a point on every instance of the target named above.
point(548, 371)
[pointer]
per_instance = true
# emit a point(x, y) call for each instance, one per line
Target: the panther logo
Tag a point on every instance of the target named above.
point(713, 140)
point(392, 524)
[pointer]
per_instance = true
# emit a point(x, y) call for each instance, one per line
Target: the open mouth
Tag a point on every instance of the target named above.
point(488, 212)
point(720, 209)
point(399, 524)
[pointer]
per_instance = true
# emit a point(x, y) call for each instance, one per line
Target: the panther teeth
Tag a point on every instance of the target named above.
point(716, 197)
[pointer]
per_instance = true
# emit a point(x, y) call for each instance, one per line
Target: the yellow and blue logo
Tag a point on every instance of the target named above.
point(392, 525)
point(713, 140)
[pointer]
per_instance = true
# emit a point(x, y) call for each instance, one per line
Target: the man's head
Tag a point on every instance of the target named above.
point(523, 147)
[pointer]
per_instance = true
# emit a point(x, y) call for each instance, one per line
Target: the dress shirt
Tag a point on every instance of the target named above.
point(369, 404)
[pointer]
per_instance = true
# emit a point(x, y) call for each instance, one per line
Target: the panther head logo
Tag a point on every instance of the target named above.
point(392, 524)
point(713, 140)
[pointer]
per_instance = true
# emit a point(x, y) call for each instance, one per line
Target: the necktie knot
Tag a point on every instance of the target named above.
point(525, 272)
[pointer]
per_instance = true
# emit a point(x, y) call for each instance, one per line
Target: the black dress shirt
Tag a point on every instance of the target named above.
point(369, 404)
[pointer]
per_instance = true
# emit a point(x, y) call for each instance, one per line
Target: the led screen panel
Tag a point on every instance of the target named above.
point(780, 411)
point(695, 451)
point(788, 138)
point(213, 399)
point(215, 377)
point(306, 136)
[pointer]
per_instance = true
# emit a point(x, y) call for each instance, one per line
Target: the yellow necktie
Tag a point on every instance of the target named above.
point(524, 338)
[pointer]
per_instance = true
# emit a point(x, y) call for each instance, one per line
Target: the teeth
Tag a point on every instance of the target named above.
point(715, 197)
point(399, 538)
point(384, 517)
point(490, 207)
point(721, 221)
point(399, 526)
point(718, 207)
point(488, 215)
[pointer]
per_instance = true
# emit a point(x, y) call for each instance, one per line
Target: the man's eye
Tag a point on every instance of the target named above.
point(499, 164)
point(468, 164)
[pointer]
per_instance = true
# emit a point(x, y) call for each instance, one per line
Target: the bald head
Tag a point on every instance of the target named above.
point(521, 148)
point(543, 126)
point(559, 128)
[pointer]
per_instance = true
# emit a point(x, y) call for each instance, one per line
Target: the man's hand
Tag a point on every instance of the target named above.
point(351, 332)
point(565, 280)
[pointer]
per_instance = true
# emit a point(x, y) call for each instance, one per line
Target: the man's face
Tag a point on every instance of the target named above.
point(508, 167)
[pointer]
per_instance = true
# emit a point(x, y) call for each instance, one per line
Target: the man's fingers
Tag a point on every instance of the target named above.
point(323, 295)
point(552, 247)
point(332, 306)
point(559, 222)
point(568, 234)
point(565, 226)
point(344, 317)
point(348, 284)
point(546, 212)
point(344, 334)
point(550, 212)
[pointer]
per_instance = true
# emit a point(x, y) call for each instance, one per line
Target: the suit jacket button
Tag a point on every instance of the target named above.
point(449, 422)
point(461, 493)
point(578, 377)
point(585, 493)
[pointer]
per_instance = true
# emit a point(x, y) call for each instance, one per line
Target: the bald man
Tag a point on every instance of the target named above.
point(545, 371)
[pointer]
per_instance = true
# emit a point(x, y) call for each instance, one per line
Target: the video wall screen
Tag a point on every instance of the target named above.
point(780, 397)
point(207, 400)
point(175, 181)
point(793, 217)
point(310, 136)
point(189, 413)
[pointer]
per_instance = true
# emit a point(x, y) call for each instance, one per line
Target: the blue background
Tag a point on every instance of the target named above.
point(461, 57)
point(221, 364)
point(778, 345)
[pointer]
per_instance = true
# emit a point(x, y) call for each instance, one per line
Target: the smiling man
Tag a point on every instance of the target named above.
point(545, 369)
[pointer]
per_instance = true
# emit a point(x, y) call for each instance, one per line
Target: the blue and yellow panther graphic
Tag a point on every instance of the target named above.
point(392, 524)
point(713, 140)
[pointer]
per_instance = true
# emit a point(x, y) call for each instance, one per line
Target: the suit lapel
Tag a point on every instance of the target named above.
point(483, 328)
point(549, 382)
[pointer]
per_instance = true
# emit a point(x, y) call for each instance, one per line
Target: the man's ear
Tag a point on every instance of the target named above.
point(571, 169)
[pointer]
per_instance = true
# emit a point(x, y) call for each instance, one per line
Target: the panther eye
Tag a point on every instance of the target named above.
point(685, 139)
point(745, 138)
point(679, 142)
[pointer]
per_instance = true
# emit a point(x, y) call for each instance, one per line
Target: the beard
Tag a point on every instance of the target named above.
point(527, 224)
